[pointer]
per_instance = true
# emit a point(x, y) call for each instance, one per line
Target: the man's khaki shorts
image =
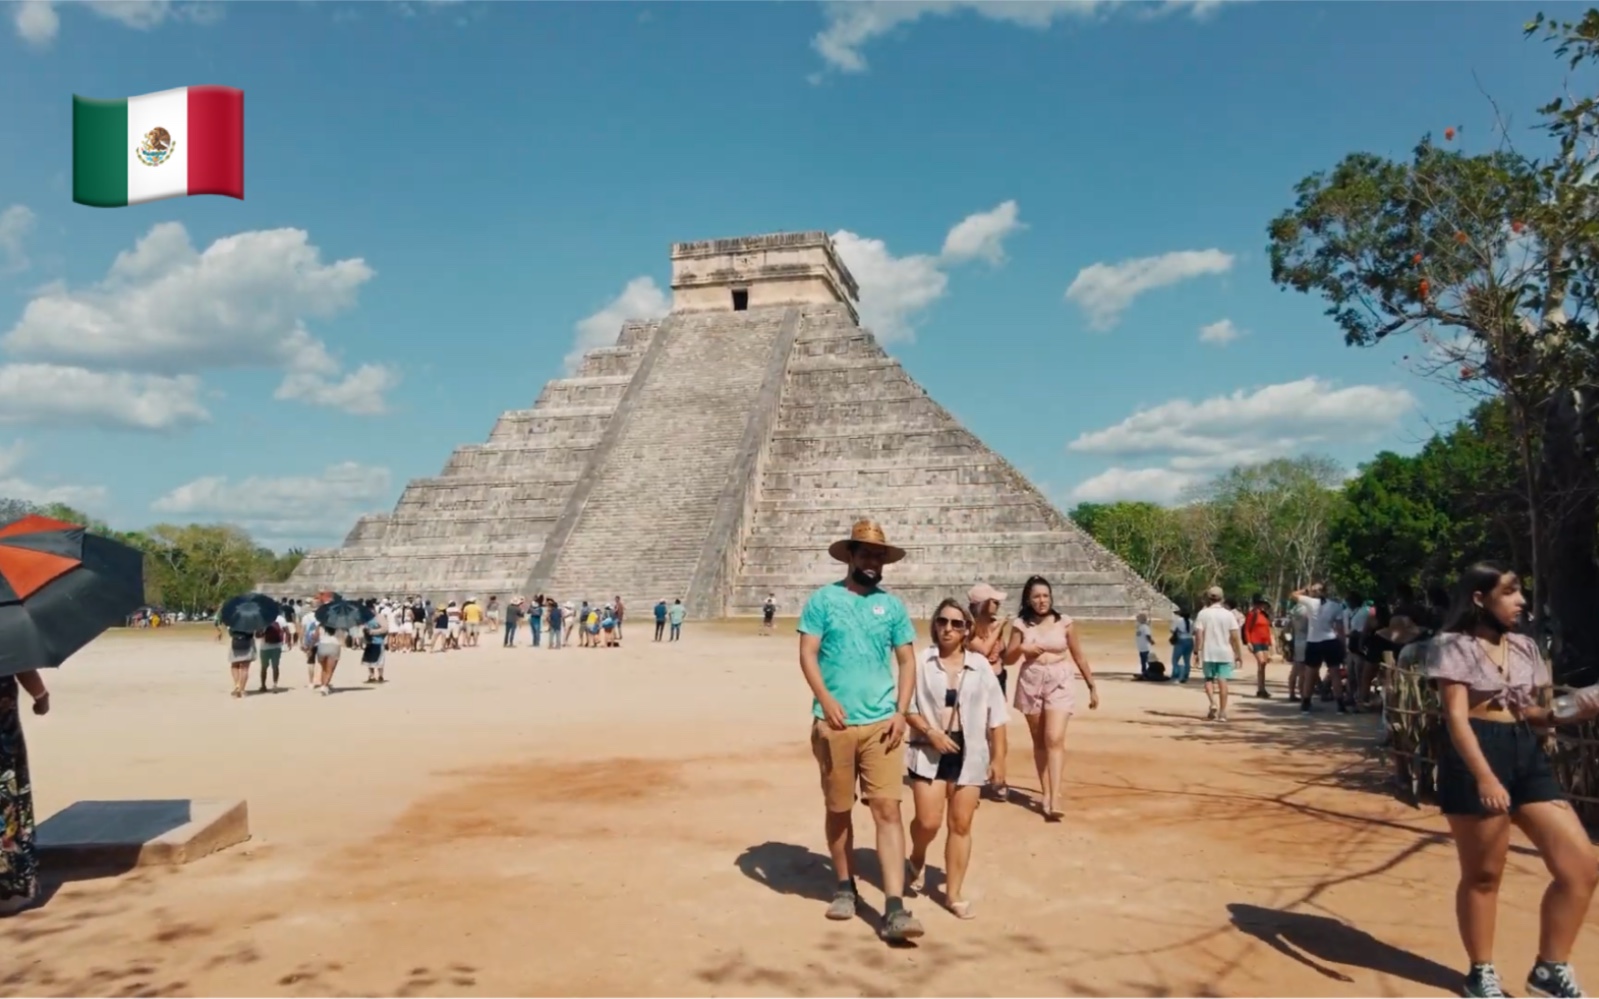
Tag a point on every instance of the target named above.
point(860, 755)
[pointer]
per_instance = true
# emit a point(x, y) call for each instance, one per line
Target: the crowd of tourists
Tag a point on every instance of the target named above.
point(417, 624)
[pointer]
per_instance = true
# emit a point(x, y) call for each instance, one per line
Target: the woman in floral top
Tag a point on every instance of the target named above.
point(1494, 772)
point(19, 867)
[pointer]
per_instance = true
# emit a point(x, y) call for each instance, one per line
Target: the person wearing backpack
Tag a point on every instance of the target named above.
point(271, 652)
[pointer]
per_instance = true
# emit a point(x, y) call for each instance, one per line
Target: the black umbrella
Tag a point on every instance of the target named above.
point(251, 612)
point(340, 614)
point(60, 587)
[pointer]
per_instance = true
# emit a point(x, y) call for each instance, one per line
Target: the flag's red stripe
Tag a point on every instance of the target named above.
point(216, 141)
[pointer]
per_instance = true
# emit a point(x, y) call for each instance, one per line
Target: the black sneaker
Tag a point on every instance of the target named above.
point(1263, 694)
point(1482, 982)
point(1304, 705)
point(1556, 981)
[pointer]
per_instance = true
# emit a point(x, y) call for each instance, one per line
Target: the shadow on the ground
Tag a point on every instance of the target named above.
point(791, 869)
point(1320, 941)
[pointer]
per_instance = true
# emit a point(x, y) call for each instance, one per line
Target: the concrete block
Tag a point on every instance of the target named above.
point(127, 834)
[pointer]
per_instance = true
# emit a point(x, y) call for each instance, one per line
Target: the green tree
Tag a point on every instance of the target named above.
point(1490, 261)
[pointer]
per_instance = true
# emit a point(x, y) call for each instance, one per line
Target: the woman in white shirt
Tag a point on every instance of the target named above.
point(957, 720)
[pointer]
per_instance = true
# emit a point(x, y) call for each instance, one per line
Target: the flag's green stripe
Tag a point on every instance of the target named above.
point(99, 152)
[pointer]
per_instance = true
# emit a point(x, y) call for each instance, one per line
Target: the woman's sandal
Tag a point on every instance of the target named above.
point(915, 879)
point(962, 910)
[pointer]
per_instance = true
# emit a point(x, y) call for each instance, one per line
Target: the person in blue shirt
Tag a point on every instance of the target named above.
point(660, 620)
point(535, 618)
point(856, 656)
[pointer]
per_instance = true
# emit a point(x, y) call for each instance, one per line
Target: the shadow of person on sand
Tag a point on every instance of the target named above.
point(790, 869)
point(1311, 939)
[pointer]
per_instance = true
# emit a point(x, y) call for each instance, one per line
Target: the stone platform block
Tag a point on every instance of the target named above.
point(128, 834)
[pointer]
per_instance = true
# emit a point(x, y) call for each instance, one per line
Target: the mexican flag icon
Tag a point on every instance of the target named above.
point(165, 145)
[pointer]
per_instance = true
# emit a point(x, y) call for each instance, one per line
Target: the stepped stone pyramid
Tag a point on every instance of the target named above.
point(713, 455)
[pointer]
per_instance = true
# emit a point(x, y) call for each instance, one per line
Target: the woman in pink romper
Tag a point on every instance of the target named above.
point(1045, 643)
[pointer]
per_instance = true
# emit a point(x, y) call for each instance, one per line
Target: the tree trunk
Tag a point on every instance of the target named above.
point(1567, 584)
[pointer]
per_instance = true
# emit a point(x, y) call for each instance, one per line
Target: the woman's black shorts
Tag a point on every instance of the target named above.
point(1516, 755)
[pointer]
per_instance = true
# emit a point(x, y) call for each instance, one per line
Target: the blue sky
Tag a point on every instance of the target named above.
point(444, 199)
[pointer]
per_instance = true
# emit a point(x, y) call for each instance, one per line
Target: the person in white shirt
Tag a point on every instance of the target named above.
point(1324, 644)
point(1221, 650)
point(1144, 638)
point(957, 718)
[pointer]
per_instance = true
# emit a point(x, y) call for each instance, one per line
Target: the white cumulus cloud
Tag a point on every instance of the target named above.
point(1150, 485)
point(981, 236)
point(895, 290)
point(63, 395)
point(38, 22)
point(165, 308)
point(1189, 441)
point(1104, 291)
point(16, 223)
point(13, 486)
point(850, 25)
point(1219, 333)
point(289, 509)
point(641, 298)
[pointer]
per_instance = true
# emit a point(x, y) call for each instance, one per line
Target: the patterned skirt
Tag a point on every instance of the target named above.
point(19, 866)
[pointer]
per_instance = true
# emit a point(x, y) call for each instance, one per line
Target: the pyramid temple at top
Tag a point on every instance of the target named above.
point(713, 455)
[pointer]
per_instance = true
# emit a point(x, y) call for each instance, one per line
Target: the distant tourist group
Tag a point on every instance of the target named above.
point(416, 624)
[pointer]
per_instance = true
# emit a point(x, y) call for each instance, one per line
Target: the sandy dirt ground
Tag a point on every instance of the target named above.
point(647, 821)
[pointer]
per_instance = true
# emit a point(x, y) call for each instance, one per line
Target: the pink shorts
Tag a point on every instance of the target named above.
point(1041, 688)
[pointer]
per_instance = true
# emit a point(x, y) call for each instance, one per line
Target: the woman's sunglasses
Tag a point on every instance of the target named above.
point(957, 623)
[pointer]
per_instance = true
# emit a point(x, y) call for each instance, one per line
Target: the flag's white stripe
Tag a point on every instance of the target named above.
point(168, 109)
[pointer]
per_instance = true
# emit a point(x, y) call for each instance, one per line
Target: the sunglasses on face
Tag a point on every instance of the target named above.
point(957, 623)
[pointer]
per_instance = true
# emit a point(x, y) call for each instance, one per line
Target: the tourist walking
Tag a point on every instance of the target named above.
point(329, 646)
point(957, 719)
point(1257, 634)
point(1324, 644)
point(241, 655)
point(768, 613)
point(19, 862)
point(271, 653)
point(675, 615)
point(1044, 641)
point(373, 654)
point(987, 637)
point(1494, 773)
point(660, 619)
point(535, 621)
point(309, 628)
point(856, 656)
point(1182, 645)
point(571, 620)
point(1221, 650)
point(618, 611)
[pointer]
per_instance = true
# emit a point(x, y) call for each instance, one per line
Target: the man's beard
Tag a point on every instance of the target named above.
point(865, 577)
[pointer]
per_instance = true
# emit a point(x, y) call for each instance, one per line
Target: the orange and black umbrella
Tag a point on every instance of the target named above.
point(60, 587)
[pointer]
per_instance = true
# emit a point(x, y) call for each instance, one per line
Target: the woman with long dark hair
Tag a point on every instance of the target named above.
point(1494, 773)
point(1046, 644)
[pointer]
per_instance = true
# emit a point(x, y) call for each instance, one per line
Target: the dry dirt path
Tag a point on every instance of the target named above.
point(646, 821)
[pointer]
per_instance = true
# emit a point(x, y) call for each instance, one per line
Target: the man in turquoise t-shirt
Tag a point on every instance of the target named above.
point(849, 632)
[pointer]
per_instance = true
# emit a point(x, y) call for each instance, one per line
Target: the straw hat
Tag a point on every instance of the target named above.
point(865, 532)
